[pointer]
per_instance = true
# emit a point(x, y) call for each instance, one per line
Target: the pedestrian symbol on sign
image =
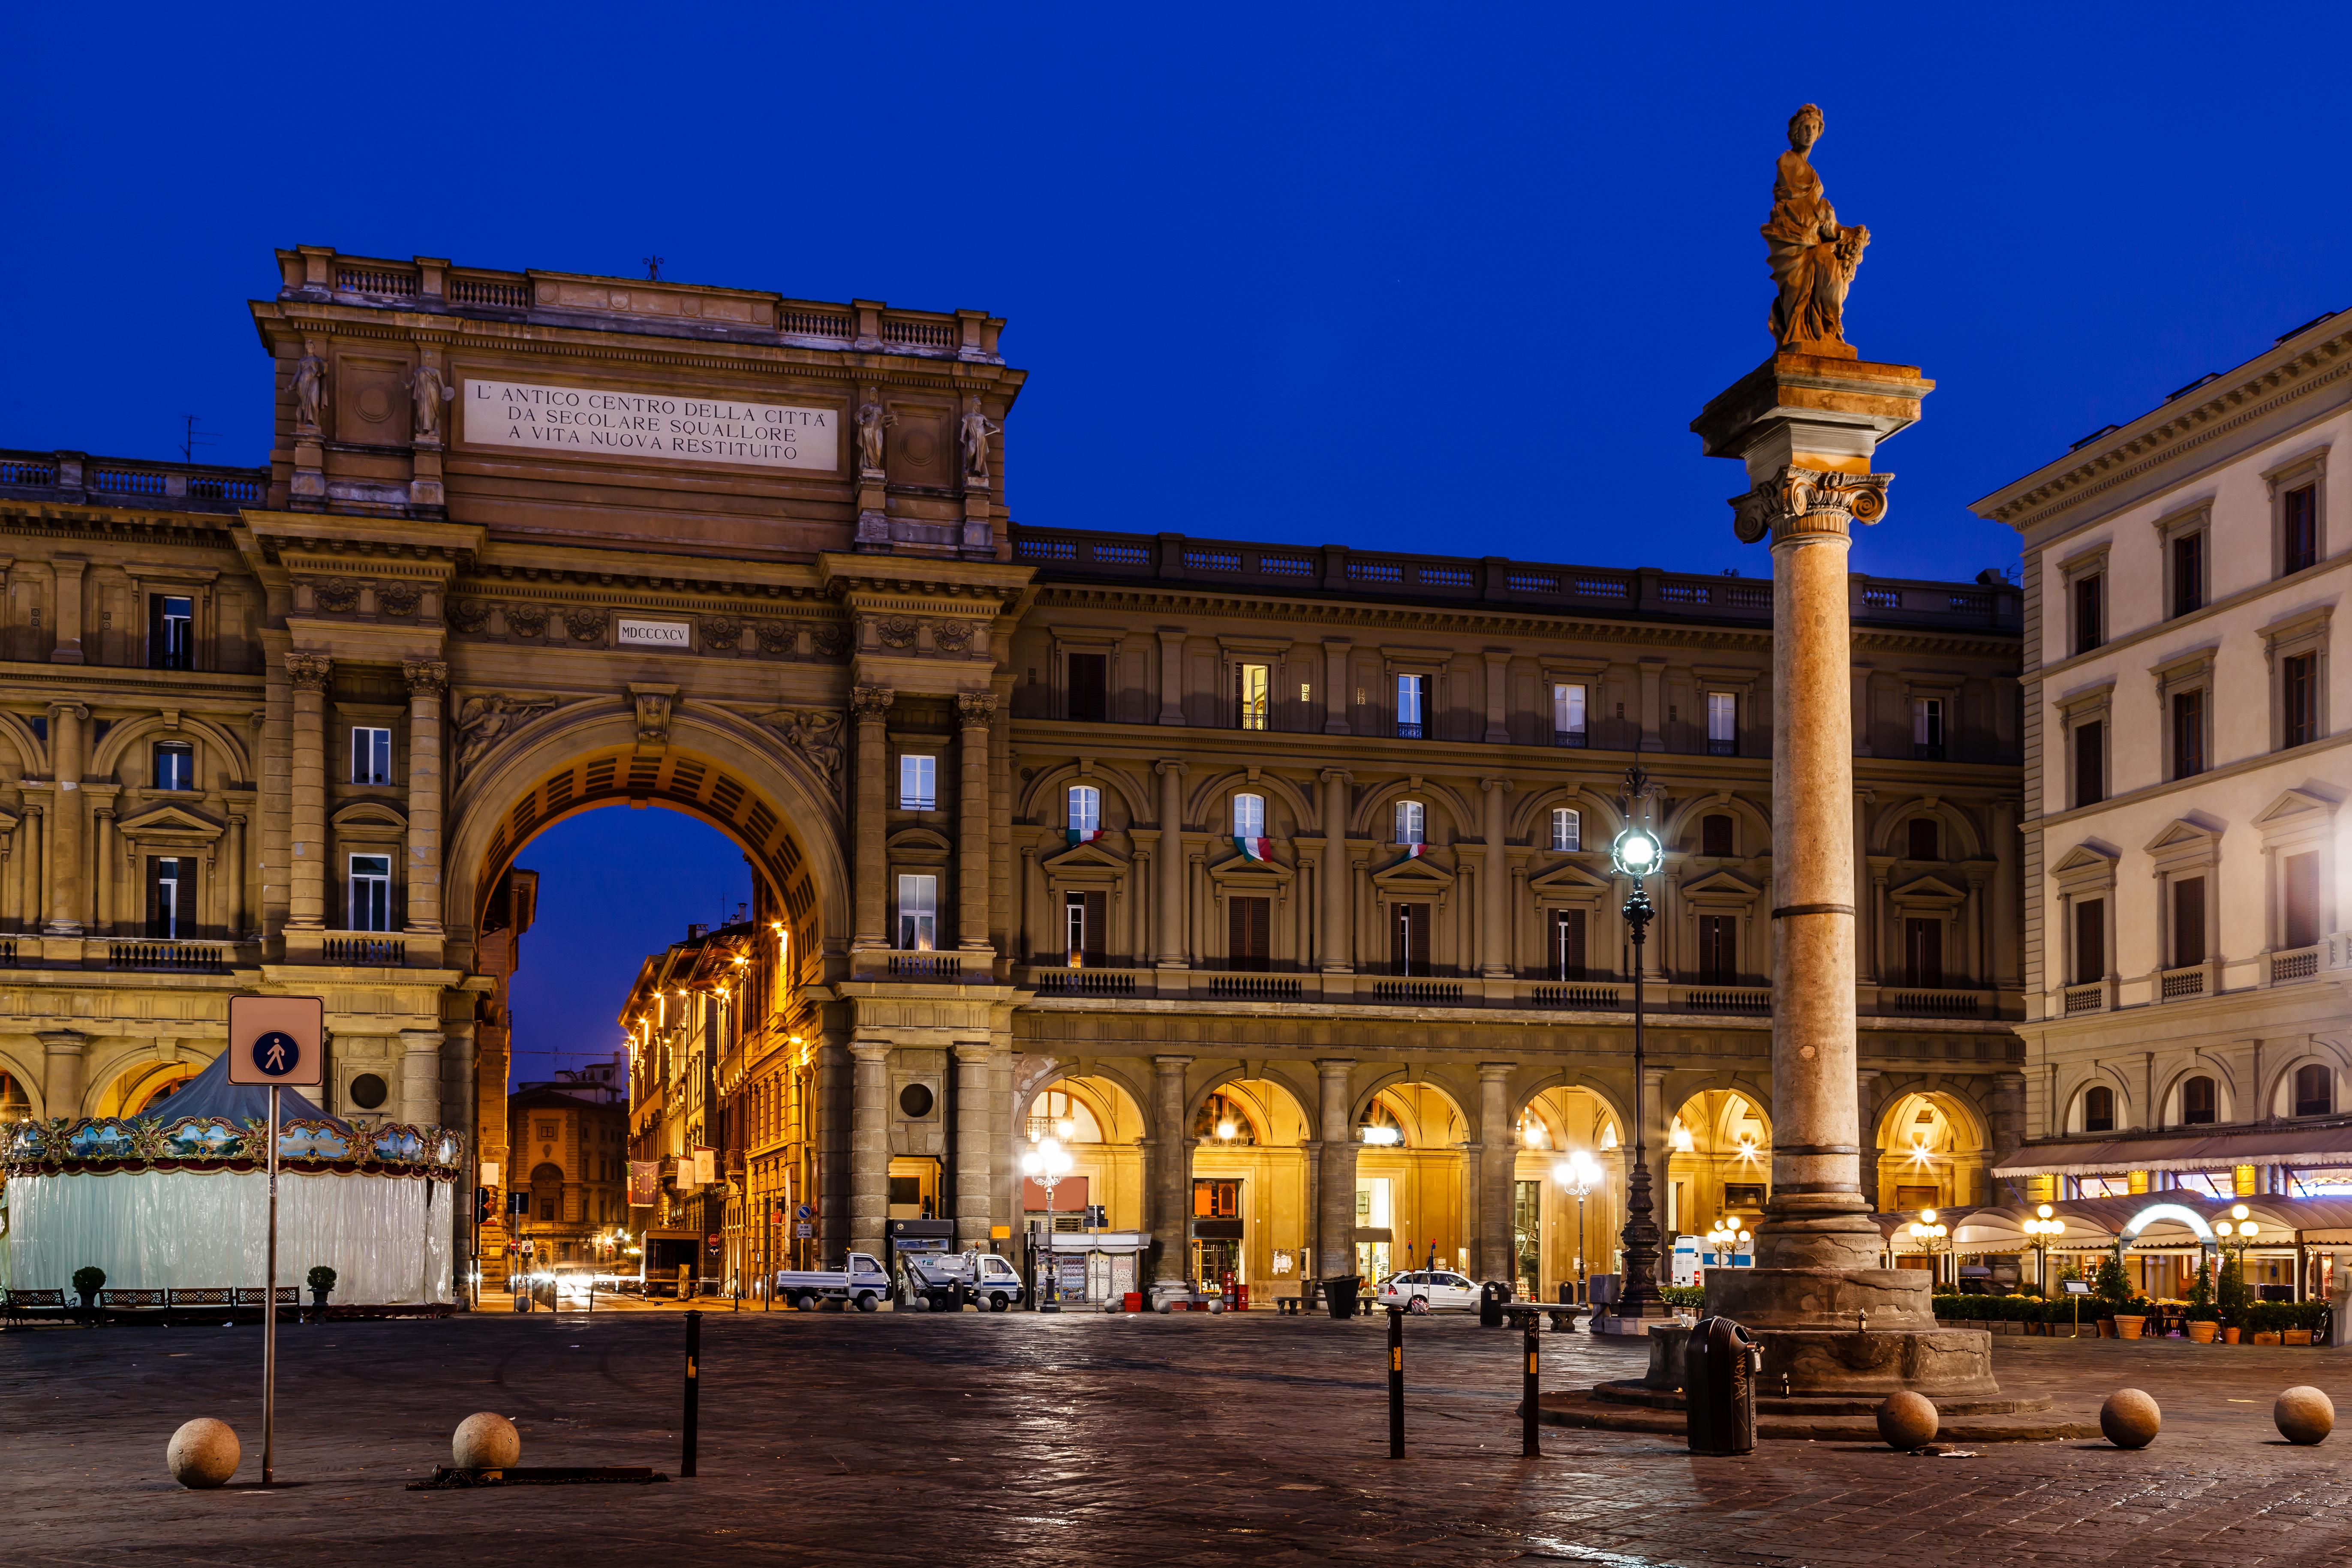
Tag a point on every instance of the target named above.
point(276, 1053)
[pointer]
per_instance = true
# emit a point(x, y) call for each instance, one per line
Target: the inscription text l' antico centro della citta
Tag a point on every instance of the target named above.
point(598, 420)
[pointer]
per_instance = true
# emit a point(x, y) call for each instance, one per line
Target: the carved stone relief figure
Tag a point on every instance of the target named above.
point(977, 428)
point(1813, 257)
point(816, 734)
point(653, 713)
point(873, 419)
point(429, 391)
point(309, 391)
point(485, 721)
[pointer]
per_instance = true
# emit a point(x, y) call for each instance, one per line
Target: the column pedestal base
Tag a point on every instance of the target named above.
point(1858, 1333)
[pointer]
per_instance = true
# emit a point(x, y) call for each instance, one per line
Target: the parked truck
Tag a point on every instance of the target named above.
point(944, 1282)
point(860, 1282)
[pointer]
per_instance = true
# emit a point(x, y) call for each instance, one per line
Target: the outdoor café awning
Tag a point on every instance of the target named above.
point(2220, 1151)
point(2143, 1219)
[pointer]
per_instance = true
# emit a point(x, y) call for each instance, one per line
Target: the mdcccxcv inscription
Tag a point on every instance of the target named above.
point(600, 422)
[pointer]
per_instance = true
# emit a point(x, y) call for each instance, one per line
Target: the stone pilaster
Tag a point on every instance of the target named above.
point(307, 908)
point(975, 711)
point(1172, 869)
point(428, 687)
point(1339, 952)
point(1335, 1194)
point(1497, 1159)
point(870, 708)
point(67, 870)
point(62, 1066)
point(974, 1168)
point(420, 1076)
point(869, 1145)
point(1171, 1170)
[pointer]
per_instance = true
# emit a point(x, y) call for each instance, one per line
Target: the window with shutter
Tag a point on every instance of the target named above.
point(1409, 938)
point(1249, 933)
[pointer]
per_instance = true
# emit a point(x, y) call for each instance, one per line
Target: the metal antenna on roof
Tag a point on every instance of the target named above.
point(190, 440)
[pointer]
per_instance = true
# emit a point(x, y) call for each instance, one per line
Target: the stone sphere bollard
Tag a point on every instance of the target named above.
point(1908, 1420)
point(485, 1442)
point(203, 1453)
point(2303, 1414)
point(2130, 1418)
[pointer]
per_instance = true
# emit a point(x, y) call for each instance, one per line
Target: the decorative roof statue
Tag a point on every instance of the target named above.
point(1813, 257)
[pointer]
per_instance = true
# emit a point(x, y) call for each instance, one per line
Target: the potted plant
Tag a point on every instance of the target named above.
point(320, 1280)
point(2204, 1318)
point(2114, 1293)
point(2234, 1301)
point(87, 1282)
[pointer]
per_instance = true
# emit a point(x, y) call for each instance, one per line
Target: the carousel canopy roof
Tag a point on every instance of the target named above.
point(2284, 1144)
point(210, 1093)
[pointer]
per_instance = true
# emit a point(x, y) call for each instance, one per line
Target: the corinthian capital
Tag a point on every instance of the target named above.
point(1797, 504)
point(975, 709)
point(309, 672)
point(426, 677)
point(871, 702)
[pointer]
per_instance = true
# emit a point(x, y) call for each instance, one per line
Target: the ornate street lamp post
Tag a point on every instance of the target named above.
point(1636, 854)
point(1046, 1164)
point(2042, 1231)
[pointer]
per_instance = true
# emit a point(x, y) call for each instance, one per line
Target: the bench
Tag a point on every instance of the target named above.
point(252, 1296)
point(132, 1306)
point(202, 1299)
point(33, 1306)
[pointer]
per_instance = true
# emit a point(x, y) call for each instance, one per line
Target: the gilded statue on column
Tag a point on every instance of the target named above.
point(1813, 257)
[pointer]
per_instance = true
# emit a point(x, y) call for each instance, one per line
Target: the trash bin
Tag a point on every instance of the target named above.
point(1491, 1297)
point(1719, 1385)
point(1341, 1293)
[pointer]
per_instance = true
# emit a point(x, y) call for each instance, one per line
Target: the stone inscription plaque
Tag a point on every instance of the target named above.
point(655, 633)
point(600, 422)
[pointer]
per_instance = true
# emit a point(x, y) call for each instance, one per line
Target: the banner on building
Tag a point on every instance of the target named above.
point(705, 1166)
point(645, 1183)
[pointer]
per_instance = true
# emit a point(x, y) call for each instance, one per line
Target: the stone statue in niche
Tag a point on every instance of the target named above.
point(977, 428)
point(873, 419)
point(309, 391)
point(485, 721)
point(429, 391)
point(1813, 257)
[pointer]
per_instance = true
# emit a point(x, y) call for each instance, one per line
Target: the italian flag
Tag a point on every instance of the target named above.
point(1256, 849)
point(1415, 851)
point(1082, 835)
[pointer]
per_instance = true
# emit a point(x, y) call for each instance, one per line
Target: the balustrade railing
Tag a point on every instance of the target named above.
point(2301, 964)
point(383, 952)
point(2085, 998)
point(2174, 984)
point(169, 956)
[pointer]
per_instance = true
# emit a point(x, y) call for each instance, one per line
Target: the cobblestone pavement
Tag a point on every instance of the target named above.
point(1018, 1438)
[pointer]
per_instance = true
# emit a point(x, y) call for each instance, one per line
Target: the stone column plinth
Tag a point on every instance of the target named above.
point(1807, 428)
point(61, 1073)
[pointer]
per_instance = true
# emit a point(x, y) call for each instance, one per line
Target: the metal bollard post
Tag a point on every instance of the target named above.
point(1529, 1445)
point(1396, 1383)
point(693, 1387)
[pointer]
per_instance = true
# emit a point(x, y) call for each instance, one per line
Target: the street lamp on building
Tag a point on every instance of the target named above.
point(1636, 854)
point(2041, 1232)
point(1725, 1236)
point(1046, 1164)
point(1576, 1175)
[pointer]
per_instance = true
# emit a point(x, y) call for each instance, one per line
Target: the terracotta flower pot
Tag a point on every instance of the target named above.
point(2266, 1339)
point(2128, 1327)
point(2202, 1331)
point(2230, 1334)
point(2295, 1336)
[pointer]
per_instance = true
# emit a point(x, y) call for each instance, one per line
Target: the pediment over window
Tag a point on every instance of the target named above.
point(2295, 808)
point(1092, 855)
point(169, 824)
point(919, 846)
point(2180, 834)
point(1930, 889)
point(362, 816)
point(2085, 858)
point(1570, 879)
point(1720, 888)
point(1239, 874)
point(1416, 878)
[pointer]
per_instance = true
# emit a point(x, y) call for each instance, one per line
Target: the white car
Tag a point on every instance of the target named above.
point(1441, 1289)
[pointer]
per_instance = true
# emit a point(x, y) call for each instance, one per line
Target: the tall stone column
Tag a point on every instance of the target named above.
point(1172, 868)
point(1495, 888)
point(975, 711)
point(233, 881)
point(974, 1169)
point(869, 1145)
point(870, 706)
point(1339, 952)
point(62, 1067)
point(420, 1076)
point(428, 685)
point(1334, 1197)
point(1498, 1162)
point(1171, 1170)
point(102, 889)
point(66, 874)
point(306, 792)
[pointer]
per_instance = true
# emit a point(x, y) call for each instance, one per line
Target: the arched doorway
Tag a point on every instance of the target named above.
point(1409, 1180)
point(1101, 1126)
point(1557, 1238)
point(1251, 1195)
point(1719, 1165)
point(141, 1087)
point(1931, 1155)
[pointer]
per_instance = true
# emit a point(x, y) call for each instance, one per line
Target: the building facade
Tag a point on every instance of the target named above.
point(567, 1137)
point(2187, 758)
point(1156, 836)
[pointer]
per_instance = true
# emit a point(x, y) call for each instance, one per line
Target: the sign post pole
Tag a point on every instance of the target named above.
point(275, 1041)
point(270, 1310)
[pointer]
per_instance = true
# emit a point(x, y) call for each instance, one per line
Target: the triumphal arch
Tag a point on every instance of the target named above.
point(1273, 877)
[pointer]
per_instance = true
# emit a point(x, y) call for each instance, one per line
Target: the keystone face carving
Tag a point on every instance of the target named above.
point(485, 721)
point(653, 713)
point(1801, 501)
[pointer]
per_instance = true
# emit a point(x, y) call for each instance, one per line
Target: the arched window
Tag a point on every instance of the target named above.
point(2197, 1103)
point(1380, 1127)
point(1086, 810)
point(1057, 1114)
point(1412, 823)
point(2098, 1109)
point(1714, 836)
point(1249, 816)
point(1222, 1120)
point(2314, 1091)
point(1924, 844)
point(1566, 829)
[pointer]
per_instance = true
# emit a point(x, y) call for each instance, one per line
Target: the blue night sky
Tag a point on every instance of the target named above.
point(1368, 273)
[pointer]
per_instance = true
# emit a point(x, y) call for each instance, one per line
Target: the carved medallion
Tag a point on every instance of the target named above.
point(951, 636)
point(722, 631)
point(527, 620)
point(398, 597)
point(338, 598)
point(585, 625)
point(896, 632)
point(469, 615)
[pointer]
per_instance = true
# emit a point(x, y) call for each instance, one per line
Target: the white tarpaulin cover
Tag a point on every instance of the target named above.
point(183, 1229)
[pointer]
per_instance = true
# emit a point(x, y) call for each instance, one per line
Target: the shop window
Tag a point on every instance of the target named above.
point(2188, 922)
point(1411, 703)
point(171, 884)
point(2197, 1103)
point(2300, 875)
point(370, 892)
point(1923, 951)
point(1715, 835)
point(1566, 829)
point(2090, 763)
point(1928, 730)
point(1090, 692)
point(1412, 823)
point(1526, 1234)
point(1718, 949)
point(1248, 944)
point(1722, 723)
point(2090, 941)
point(175, 765)
point(370, 755)
point(1925, 841)
point(171, 632)
point(918, 912)
point(1409, 938)
point(2098, 1109)
point(1253, 695)
point(1568, 715)
point(2314, 1091)
point(1567, 943)
point(918, 783)
point(1083, 922)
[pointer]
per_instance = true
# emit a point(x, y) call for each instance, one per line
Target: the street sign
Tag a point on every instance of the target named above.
point(804, 1230)
point(804, 1212)
point(278, 1040)
point(713, 1240)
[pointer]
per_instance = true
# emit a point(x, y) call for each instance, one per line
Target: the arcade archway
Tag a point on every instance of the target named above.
point(1556, 1237)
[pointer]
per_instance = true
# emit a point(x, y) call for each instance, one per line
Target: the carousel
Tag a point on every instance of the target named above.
point(177, 1199)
